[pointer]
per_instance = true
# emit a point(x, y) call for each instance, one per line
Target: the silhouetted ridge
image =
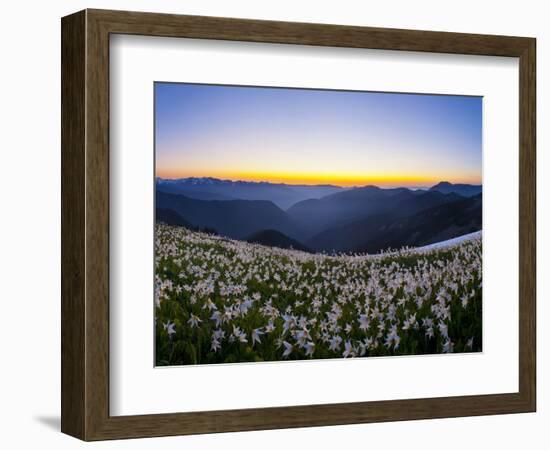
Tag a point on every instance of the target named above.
point(274, 238)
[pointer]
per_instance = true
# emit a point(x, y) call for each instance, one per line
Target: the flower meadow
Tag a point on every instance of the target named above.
point(219, 300)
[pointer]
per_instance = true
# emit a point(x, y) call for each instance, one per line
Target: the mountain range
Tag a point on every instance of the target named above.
point(316, 215)
point(395, 230)
point(323, 217)
point(283, 195)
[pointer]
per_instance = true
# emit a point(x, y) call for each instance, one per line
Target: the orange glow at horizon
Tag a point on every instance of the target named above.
point(338, 179)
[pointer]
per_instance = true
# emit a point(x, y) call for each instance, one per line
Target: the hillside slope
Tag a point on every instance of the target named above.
point(233, 218)
point(274, 238)
point(316, 216)
point(389, 230)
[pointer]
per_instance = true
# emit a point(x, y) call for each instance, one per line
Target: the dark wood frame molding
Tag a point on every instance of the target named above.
point(85, 224)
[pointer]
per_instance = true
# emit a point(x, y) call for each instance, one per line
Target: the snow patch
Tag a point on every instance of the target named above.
point(450, 242)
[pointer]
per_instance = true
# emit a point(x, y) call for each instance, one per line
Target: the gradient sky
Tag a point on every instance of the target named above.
point(316, 136)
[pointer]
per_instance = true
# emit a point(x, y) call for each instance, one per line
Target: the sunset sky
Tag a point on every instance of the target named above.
point(300, 136)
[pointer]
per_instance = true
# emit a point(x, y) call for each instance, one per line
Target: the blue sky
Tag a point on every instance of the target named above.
point(316, 136)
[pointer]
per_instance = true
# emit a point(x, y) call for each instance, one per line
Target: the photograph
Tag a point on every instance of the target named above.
point(295, 223)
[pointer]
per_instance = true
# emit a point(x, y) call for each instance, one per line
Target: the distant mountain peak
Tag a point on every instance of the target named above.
point(465, 190)
point(447, 183)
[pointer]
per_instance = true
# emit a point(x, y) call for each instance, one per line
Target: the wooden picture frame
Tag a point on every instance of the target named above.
point(85, 224)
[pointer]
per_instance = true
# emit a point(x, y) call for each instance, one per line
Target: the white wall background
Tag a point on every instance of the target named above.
point(30, 225)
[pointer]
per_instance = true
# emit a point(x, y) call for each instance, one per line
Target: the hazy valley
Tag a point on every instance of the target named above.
point(320, 218)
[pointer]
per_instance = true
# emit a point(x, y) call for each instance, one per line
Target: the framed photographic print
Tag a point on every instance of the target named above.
point(271, 224)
